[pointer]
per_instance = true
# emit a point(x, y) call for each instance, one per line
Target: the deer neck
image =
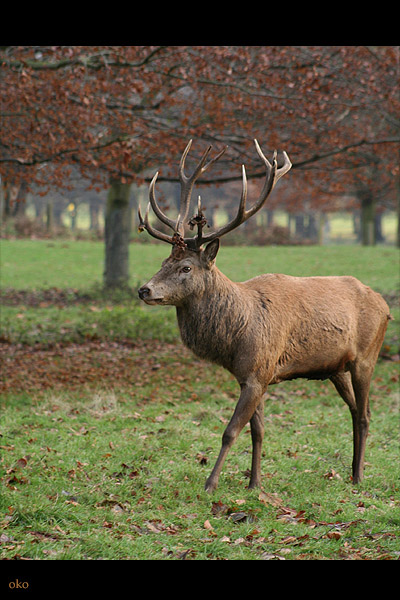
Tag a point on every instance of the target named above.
point(211, 323)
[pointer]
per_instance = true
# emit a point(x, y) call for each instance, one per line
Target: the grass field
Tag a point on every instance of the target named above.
point(109, 427)
point(79, 264)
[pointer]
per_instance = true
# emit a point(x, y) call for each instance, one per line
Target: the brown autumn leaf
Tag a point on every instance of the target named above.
point(331, 474)
point(202, 458)
point(156, 526)
point(242, 516)
point(334, 535)
point(218, 508)
point(288, 539)
point(183, 555)
point(269, 556)
point(6, 539)
point(288, 515)
point(272, 499)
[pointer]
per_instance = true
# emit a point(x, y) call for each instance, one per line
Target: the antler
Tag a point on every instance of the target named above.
point(273, 174)
point(187, 184)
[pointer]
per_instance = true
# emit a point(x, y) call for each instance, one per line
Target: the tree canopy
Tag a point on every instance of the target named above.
point(114, 112)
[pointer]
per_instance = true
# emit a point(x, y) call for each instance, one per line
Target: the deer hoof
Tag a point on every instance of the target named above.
point(210, 486)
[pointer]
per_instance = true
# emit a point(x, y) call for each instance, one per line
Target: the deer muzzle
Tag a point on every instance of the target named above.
point(145, 293)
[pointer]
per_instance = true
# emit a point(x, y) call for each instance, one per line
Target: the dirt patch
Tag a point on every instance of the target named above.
point(43, 297)
point(105, 363)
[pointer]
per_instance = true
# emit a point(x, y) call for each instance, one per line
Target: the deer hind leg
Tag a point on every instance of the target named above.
point(361, 378)
point(354, 389)
point(257, 436)
point(342, 383)
point(249, 399)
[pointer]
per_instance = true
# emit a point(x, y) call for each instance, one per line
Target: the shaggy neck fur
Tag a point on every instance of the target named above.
point(211, 324)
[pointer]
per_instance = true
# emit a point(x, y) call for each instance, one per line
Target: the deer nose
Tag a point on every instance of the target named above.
point(144, 292)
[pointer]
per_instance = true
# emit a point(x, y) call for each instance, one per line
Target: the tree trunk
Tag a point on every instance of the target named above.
point(6, 203)
point(312, 229)
point(117, 232)
point(398, 212)
point(323, 228)
point(368, 207)
point(299, 226)
point(94, 211)
point(49, 215)
point(379, 236)
point(19, 207)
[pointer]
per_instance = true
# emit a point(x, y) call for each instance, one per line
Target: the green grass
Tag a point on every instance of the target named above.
point(119, 473)
point(29, 264)
point(106, 470)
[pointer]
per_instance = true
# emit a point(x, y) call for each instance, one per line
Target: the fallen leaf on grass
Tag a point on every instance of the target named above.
point(240, 540)
point(334, 535)
point(269, 556)
point(218, 508)
point(6, 539)
point(51, 552)
point(242, 516)
point(156, 526)
point(12, 480)
point(41, 536)
point(288, 539)
point(272, 499)
point(183, 555)
point(331, 475)
point(288, 515)
point(202, 458)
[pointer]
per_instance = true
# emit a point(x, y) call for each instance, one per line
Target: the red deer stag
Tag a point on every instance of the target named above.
point(268, 329)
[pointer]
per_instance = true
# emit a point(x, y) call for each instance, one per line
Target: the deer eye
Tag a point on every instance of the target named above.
point(185, 269)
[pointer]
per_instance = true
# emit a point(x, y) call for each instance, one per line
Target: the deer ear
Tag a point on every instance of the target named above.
point(210, 252)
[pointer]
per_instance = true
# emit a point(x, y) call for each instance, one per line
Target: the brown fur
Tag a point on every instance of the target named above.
point(274, 328)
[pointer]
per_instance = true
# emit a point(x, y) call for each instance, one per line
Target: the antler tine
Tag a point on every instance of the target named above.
point(145, 224)
point(282, 170)
point(163, 218)
point(177, 222)
point(240, 216)
point(287, 165)
point(269, 180)
point(213, 160)
point(261, 155)
point(182, 175)
point(187, 182)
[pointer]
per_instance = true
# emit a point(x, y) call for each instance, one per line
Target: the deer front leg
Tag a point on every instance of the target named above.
point(249, 400)
point(257, 436)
